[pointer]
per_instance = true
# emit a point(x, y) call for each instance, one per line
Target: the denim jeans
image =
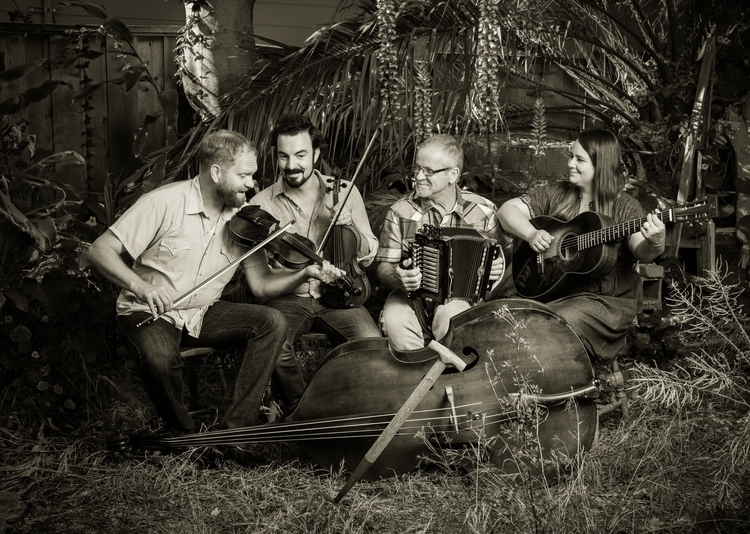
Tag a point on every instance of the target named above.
point(261, 330)
point(306, 313)
point(401, 324)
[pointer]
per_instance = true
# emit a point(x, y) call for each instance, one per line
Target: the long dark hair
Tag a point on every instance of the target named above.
point(604, 151)
point(609, 178)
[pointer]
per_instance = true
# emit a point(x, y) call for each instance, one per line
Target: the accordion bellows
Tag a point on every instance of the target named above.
point(455, 263)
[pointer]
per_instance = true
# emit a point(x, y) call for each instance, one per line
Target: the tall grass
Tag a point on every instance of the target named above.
point(677, 463)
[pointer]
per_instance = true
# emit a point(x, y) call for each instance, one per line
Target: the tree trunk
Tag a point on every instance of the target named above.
point(217, 50)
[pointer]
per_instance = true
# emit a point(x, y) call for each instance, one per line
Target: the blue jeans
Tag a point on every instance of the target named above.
point(225, 324)
point(302, 315)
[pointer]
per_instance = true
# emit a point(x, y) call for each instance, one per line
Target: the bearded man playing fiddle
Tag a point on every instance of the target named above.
point(178, 236)
point(304, 195)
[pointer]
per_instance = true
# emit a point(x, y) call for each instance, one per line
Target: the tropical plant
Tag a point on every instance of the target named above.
point(629, 65)
point(56, 315)
point(50, 322)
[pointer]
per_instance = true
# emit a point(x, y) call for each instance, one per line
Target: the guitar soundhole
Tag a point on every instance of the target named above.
point(568, 249)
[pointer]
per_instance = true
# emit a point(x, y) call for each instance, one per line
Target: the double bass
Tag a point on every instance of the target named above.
point(515, 381)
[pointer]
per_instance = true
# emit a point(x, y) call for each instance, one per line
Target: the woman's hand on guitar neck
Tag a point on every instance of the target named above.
point(540, 240)
point(653, 230)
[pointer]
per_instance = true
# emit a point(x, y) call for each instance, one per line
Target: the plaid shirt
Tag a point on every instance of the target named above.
point(409, 214)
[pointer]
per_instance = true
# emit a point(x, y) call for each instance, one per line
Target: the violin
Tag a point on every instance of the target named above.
point(340, 247)
point(252, 224)
point(508, 391)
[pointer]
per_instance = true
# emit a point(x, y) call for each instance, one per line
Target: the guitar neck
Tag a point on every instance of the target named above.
point(618, 231)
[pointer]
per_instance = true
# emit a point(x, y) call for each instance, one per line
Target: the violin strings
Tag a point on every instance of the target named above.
point(310, 253)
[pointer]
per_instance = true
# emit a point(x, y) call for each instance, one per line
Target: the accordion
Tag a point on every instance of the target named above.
point(455, 263)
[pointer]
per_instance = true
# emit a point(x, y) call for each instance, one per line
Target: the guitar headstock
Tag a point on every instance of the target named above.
point(697, 210)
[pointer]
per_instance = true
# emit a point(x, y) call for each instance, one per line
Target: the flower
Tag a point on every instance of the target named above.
point(57, 389)
point(42, 386)
point(46, 370)
point(44, 319)
point(35, 354)
point(69, 404)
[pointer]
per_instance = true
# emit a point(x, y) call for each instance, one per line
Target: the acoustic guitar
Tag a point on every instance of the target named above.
point(583, 246)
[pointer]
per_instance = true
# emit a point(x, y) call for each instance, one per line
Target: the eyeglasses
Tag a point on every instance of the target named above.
point(416, 169)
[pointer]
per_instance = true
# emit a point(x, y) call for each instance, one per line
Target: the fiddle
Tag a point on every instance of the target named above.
point(273, 233)
point(342, 247)
point(252, 224)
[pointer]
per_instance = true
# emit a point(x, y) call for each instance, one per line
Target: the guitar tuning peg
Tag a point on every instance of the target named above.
point(329, 180)
point(329, 189)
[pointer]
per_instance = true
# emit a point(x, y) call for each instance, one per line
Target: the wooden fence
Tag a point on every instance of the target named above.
point(103, 131)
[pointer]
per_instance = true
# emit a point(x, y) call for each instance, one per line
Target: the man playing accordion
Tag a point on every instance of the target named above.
point(436, 200)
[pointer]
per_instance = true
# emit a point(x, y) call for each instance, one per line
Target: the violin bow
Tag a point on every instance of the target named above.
point(346, 197)
point(221, 271)
point(445, 357)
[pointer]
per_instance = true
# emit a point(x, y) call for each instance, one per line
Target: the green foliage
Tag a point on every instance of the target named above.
point(54, 313)
point(710, 374)
point(628, 66)
point(539, 128)
point(57, 315)
point(47, 347)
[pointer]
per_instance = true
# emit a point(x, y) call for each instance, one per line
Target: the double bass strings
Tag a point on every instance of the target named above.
point(370, 425)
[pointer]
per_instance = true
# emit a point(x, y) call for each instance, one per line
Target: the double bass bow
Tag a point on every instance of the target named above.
point(340, 245)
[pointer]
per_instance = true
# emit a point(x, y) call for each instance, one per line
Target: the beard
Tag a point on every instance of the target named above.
point(230, 197)
point(296, 178)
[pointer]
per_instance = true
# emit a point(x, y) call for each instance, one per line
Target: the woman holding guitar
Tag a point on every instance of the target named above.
point(588, 278)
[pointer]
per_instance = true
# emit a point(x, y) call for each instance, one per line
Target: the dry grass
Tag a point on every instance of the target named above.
point(679, 463)
point(652, 472)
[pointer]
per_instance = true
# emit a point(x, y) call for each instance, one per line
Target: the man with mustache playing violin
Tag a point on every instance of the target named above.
point(304, 195)
point(178, 237)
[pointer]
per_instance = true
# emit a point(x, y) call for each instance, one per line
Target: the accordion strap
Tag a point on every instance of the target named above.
point(424, 314)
